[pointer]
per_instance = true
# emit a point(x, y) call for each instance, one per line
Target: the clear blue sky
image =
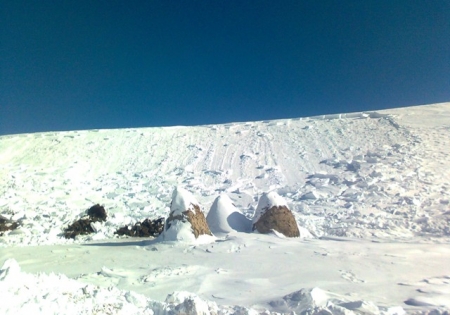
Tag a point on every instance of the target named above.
point(111, 64)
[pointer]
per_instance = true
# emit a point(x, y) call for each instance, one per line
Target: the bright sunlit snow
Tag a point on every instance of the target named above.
point(182, 200)
point(370, 193)
point(224, 217)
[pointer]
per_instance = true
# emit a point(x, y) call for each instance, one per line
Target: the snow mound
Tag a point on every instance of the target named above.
point(190, 303)
point(224, 217)
point(182, 200)
point(57, 294)
point(318, 301)
point(186, 221)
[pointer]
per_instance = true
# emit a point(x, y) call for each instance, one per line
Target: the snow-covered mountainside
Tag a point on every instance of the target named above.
point(378, 176)
point(362, 174)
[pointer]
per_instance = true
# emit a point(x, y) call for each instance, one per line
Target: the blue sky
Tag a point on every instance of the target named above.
point(112, 64)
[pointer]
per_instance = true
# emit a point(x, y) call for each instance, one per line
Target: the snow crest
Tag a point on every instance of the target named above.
point(182, 200)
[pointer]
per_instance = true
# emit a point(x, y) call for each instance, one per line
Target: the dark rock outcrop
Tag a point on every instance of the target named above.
point(145, 228)
point(83, 226)
point(280, 219)
point(97, 213)
point(79, 227)
point(272, 213)
point(7, 225)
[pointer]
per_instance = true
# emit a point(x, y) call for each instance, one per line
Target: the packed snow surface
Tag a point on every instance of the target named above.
point(178, 231)
point(370, 193)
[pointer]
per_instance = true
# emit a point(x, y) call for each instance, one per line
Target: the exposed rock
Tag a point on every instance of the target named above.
point(83, 226)
point(97, 213)
point(196, 218)
point(145, 228)
point(7, 225)
point(272, 213)
point(186, 221)
point(79, 227)
point(280, 219)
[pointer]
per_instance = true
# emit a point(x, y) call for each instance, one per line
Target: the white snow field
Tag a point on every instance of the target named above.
point(370, 193)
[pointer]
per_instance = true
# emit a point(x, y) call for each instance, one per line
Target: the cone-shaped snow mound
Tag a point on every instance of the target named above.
point(272, 213)
point(182, 200)
point(186, 221)
point(224, 217)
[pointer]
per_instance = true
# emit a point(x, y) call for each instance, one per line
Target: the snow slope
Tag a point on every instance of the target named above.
point(372, 188)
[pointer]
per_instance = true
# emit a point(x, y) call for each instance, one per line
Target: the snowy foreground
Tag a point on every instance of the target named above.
point(370, 193)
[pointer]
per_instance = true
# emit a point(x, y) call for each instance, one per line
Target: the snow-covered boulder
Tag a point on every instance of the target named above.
point(273, 213)
point(186, 221)
point(224, 217)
